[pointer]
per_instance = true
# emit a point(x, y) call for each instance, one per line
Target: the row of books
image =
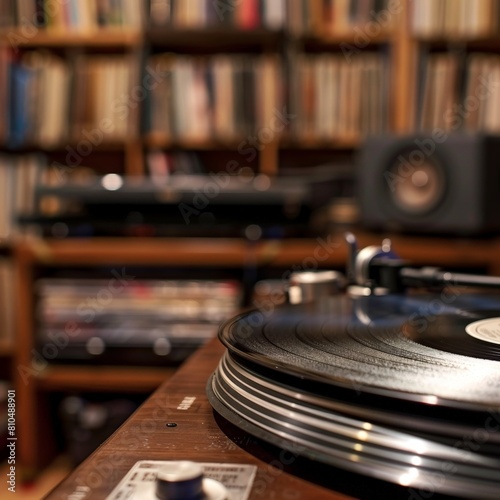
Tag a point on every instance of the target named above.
point(296, 15)
point(439, 91)
point(73, 15)
point(18, 177)
point(369, 17)
point(242, 14)
point(49, 100)
point(223, 96)
point(91, 98)
point(428, 18)
point(460, 18)
point(337, 98)
point(457, 94)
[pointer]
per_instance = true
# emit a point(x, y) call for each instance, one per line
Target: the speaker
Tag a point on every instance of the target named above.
point(436, 183)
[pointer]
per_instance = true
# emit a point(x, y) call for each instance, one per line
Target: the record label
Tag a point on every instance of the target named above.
point(485, 329)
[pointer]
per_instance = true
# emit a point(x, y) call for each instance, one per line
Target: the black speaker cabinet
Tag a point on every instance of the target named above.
point(437, 183)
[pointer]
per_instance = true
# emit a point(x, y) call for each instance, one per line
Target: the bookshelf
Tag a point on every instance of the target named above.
point(308, 34)
point(458, 56)
point(231, 31)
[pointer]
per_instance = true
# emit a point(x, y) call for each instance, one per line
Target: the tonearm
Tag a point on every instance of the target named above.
point(377, 269)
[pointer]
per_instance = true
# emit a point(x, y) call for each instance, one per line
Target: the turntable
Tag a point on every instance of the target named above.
point(393, 385)
point(384, 383)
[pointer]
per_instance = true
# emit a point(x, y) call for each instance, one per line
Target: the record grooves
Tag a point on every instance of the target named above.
point(374, 385)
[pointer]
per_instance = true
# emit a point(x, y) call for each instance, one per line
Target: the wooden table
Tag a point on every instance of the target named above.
point(197, 436)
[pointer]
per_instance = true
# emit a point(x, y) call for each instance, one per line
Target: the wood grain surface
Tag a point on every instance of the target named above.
point(197, 436)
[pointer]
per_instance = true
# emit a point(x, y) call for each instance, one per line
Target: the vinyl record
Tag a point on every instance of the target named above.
point(414, 348)
point(400, 388)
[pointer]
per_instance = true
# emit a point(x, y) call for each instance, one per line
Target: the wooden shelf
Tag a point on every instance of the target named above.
point(102, 378)
point(62, 39)
point(159, 141)
point(347, 37)
point(180, 251)
point(223, 252)
point(214, 38)
point(451, 39)
point(440, 251)
point(228, 252)
point(418, 250)
point(155, 140)
point(489, 44)
point(234, 39)
point(291, 142)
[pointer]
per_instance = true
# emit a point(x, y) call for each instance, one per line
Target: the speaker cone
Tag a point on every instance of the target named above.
point(418, 190)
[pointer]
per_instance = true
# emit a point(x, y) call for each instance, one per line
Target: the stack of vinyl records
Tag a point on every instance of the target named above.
point(399, 388)
point(130, 321)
